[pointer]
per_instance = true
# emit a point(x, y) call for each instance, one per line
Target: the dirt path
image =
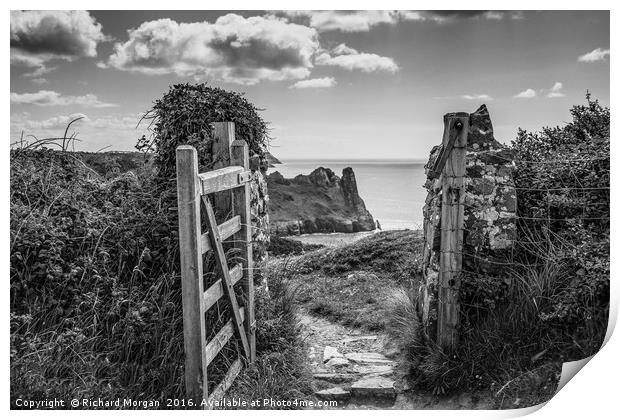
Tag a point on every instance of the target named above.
point(360, 371)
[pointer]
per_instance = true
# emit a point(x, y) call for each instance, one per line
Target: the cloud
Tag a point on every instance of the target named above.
point(349, 21)
point(38, 37)
point(323, 82)
point(364, 20)
point(232, 49)
point(350, 59)
point(526, 94)
point(555, 91)
point(478, 97)
point(597, 54)
point(52, 98)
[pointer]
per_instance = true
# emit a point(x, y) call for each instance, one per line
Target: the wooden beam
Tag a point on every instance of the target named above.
point(223, 179)
point(223, 136)
point(220, 258)
point(216, 291)
point(218, 342)
point(456, 127)
point(188, 196)
point(240, 155)
point(227, 229)
point(220, 390)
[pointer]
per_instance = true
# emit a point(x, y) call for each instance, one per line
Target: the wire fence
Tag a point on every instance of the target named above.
point(543, 233)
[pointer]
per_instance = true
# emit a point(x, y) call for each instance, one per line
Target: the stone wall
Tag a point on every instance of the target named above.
point(259, 200)
point(489, 212)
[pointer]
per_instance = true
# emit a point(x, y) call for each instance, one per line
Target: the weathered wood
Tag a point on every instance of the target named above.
point(227, 229)
point(223, 179)
point(216, 291)
point(239, 155)
point(456, 127)
point(223, 136)
point(218, 342)
point(220, 390)
point(188, 189)
point(220, 258)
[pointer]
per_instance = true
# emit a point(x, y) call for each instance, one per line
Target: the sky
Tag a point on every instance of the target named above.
point(333, 85)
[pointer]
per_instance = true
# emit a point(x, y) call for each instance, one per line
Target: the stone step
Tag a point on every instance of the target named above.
point(330, 353)
point(359, 338)
point(335, 378)
point(335, 393)
point(337, 362)
point(370, 370)
point(368, 358)
point(373, 387)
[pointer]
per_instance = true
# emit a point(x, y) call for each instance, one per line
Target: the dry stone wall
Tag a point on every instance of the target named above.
point(259, 200)
point(490, 205)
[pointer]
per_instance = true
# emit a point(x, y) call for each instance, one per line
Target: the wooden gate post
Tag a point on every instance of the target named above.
point(456, 126)
point(223, 138)
point(188, 196)
point(240, 156)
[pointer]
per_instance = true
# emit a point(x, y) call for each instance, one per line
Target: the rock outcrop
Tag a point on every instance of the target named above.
point(320, 202)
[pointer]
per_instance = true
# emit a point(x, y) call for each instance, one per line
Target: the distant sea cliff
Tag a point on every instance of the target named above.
point(320, 202)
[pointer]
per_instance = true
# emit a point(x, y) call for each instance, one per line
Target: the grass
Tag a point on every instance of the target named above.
point(281, 371)
point(349, 284)
point(508, 346)
point(96, 307)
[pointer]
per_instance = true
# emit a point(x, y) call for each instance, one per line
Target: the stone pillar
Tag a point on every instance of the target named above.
point(259, 199)
point(489, 214)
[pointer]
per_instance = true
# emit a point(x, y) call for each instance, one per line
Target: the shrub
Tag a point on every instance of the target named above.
point(184, 116)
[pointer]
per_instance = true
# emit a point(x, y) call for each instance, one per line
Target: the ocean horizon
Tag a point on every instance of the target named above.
point(392, 190)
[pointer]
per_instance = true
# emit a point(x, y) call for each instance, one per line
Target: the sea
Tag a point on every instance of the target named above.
point(392, 190)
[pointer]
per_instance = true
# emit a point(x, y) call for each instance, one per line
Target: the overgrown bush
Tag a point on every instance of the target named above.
point(184, 116)
point(95, 293)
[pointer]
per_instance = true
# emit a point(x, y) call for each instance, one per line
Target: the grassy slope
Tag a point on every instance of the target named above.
point(349, 284)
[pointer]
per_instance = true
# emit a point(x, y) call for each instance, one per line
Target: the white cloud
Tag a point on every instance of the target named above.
point(232, 49)
point(38, 37)
point(323, 82)
point(556, 91)
point(526, 94)
point(350, 59)
point(478, 97)
point(350, 21)
point(52, 98)
point(364, 20)
point(597, 54)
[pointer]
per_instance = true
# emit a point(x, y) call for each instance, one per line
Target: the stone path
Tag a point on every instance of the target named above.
point(360, 371)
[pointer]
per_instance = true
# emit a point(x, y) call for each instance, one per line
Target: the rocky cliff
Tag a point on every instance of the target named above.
point(317, 203)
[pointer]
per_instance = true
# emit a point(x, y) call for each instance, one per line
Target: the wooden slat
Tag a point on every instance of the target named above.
point(240, 155)
point(188, 192)
point(220, 390)
point(452, 213)
point(216, 291)
point(227, 229)
point(218, 342)
point(220, 258)
point(223, 179)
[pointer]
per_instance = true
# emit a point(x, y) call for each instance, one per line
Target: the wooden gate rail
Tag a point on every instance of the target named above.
point(192, 190)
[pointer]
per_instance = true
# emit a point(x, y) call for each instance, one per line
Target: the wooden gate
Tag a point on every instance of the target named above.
point(193, 189)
